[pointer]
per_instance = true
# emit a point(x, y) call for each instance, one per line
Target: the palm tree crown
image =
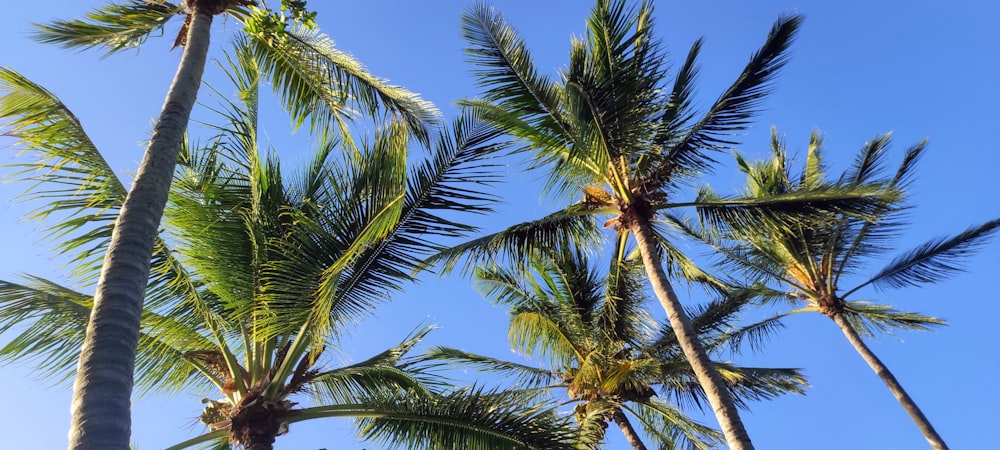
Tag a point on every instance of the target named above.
point(256, 272)
point(812, 258)
point(614, 361)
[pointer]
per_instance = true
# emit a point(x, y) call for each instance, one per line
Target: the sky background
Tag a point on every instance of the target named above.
point(920, 69)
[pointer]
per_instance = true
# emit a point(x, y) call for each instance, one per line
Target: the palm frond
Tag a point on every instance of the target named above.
point(115, 26)
point(505, 68)
point(672, 429)
point(731, 113)
point(556, 229)
point(870, 319)
point(522, 376)
point(932, 261)
point(464, 419)
point(321, 84)
point(748, 215)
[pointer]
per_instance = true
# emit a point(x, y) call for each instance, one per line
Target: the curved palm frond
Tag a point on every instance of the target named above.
point(506, 69)
point(463, 419)
point(557, 229)
point(321, 84)
point(932, 261)
point(734, 108)
point(115, 26)
point(523, 376)
point(673, 429)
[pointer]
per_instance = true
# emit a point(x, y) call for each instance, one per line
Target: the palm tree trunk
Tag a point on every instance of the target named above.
point(890, 381)
point(709, 379)
point(101, 398)
point(630, 435)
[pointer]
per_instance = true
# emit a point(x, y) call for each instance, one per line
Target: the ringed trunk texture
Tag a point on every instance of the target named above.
point(101, 416)
point(709, 379)
point(626, 426)
point(890, 381)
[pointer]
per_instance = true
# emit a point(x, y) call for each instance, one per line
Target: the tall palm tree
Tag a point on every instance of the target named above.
point(257, 272)
point(598, 343)
point(811, 258)
point(315, 86)
point(613, 128)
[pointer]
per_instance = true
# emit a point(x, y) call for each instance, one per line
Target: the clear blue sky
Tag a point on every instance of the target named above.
point(860, 68)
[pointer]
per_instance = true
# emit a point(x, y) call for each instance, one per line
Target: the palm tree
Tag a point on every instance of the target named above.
point(256, 273)
point(613, 360)
point(811, 258)
point(613, 128)
point(314, 87)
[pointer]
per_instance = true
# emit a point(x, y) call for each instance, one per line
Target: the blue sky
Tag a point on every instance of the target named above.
point(920, 69)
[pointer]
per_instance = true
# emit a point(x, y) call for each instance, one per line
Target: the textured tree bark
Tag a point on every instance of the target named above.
point(630, 435)
point(890, 381)
point(709, 379)
point(101, 415)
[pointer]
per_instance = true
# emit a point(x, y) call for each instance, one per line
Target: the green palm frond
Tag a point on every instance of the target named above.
point(747, 215)
point(115, 26)
point(56, 319)
point(321, 84)
point(731, 113)
point(388, 370)
point(522, 376)
point(505, 68)
point(746, 384)
point(672, 429)
point(70, 179)
point(533, 333)
point(932, 261)
point(464, 419)
point(51, 321)
point(216, 440)
point(78, 191)
point(868, 318)
point(555, 230)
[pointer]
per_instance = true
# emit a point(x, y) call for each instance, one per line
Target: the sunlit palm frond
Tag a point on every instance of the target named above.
point(505, 68)
point(323, 85)
point(510, 245)
point(519, 375)
point(465, 419)
point(746, 384)
point(389, 370)
point(51, 321)
point(869, 318)
point(672, 429)
point(115, 26)
point(69, 178)
point(748, 215)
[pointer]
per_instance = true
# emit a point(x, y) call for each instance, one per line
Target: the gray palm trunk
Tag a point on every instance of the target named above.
point(626, 426)
point(709, 379)
point(890, 381)
point(101, 416)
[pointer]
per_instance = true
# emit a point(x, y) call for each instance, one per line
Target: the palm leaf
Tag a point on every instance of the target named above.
point(463, 419)
point(932, 261)
point(521, 375)
point(115, 26)
point(319, 83)
point(557, 229)
point(672, 429)
point(734, 108)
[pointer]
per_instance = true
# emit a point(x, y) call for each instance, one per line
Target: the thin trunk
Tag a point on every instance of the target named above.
point(709, 379)
point(630, 435)
point(890, 381)
point(101, 417)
